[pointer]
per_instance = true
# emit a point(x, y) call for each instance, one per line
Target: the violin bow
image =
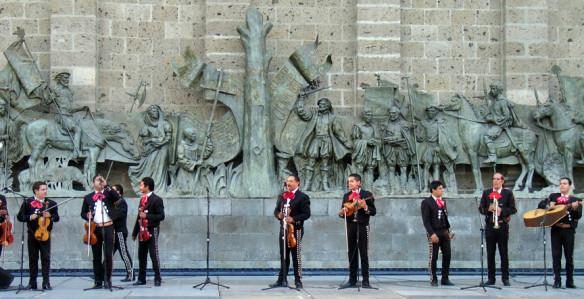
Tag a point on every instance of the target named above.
point(89, 236)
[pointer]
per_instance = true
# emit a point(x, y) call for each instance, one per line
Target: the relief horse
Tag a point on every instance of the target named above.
point(41, 134)
point(471, 128)
point(566, 134)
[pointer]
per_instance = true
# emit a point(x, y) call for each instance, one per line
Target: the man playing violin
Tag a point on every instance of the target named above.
point(147, 229)
point(357, 207)
point(564, 231)
point(98, 207)
point(30, 211)
point(435, 219)
point(295, 206)
point(3, 216)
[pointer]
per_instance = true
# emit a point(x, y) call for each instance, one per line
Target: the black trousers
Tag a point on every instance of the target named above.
point(497, 237)
point(121, 246)
point(444, 245)
point(103, 253)
point(296, 253)
point(563, 238)
point(34, 248)
point(145, 247)
point(358, 238)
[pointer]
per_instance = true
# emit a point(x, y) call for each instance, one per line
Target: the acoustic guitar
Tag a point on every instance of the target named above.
point(534, 218)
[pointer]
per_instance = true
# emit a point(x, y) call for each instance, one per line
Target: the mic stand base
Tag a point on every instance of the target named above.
point(208, 281)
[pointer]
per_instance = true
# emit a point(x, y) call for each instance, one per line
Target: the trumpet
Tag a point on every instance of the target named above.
point(496, 214)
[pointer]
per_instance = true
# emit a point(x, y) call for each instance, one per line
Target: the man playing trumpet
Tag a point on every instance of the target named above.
point(358, 205)
point(497, 204)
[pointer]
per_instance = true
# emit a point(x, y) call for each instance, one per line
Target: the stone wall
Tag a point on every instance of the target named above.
point(445, 46)
point(243, 235)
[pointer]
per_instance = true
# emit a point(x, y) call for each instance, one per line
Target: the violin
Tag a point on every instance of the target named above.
point(143, 234)
point(89, 233)
point(6, 227)
point(291, 234)
point(42, 232)
point(353, 205)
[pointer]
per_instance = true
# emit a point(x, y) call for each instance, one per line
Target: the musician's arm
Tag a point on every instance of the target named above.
point(542, 204)
point(54, 212)
point(158, 213)
point(304, 210)
point(371, 210)
point(484, 206)
point(277, 210)
point(136, 229)
point(23, 215)
point(426, 218)
point(84, 210)
point(510, 209)
point(577, 213)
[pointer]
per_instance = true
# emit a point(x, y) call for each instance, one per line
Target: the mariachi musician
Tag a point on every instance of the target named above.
point(293, 206)
point(34, 212)
point(147, 230)
point(98, 207)
point(497, 204)
point(360, 204)
point(121, 233)
point(435, 219)
point(564, 231)
point(3, 216)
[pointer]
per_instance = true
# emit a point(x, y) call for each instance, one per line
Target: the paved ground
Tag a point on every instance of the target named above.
point(394, 286)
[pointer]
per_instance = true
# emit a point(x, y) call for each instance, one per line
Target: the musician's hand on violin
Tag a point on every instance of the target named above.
point(362, 204)
point(89, 215)
point(552, 204)
point(343, 211)
point(434, 238)
point(289, 220)
point(142, 215)
point(280, 216)
point(34, 216)
point(575, 205)
point(46, 214)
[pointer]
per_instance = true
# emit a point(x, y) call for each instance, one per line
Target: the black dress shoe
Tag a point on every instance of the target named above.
point(557, 284)
point(31, 286)
point(434, 282)
point(490, 283)
point(127, 279)
point(570, 286)
point(447, 282)
point(298, 284)
point(157, 282)
point(47, 286)
point(139, 282)
point(279, 284)
point(97, 285)
point(347, 285)
point(366, 285)
point(107, 285)
point(506, 283)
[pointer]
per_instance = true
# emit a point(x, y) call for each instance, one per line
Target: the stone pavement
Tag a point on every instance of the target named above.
point(390, 286)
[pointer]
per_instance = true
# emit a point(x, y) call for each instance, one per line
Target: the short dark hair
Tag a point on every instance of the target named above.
point(148, 182)
point(296, 177)
point(355, 176)
point(37, 185)
point(502, 176)
point(567, 179)
point(435, 184)
point(95, 177)
point(119, 188)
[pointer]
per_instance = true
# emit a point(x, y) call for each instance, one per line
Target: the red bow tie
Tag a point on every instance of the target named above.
point(355, 195)
point(562, 200)
point(36, 204)
point(440, 202)
point(288, 195)
point(98, 196)
point(495, 195)
point(144, 200)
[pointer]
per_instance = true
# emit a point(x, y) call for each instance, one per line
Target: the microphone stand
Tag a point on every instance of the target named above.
point(482, 283)
point(545, 283)
point(208, 281)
